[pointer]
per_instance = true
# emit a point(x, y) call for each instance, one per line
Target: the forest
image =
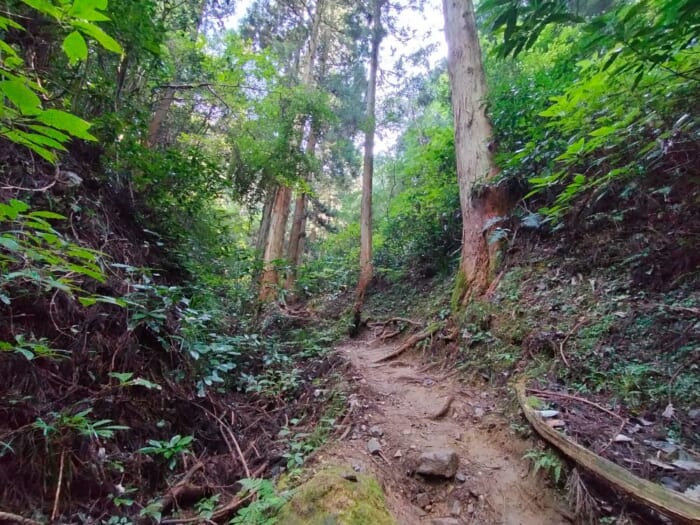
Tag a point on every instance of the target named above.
point(350, 262)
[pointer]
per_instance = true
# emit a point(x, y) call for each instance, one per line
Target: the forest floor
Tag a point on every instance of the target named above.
point(396, 403)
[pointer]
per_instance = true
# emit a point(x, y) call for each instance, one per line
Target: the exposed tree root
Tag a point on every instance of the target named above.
point(667, 502)
point(16, 518)
point(412, 341)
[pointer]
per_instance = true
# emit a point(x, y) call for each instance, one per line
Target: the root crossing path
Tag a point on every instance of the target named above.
point(406, 409)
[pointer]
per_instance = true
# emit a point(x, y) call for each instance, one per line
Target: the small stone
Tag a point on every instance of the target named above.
point(376, 431)
point(363, 428)
point(398, 454)
point(443, 463)
point(407, 432)
point(479, 412)
point(458, 436)
point(357, 467)
point(461, 477)
point(694, 414)
point(455, 508)
point(671, 483)
point(470, 508)
point(422, 500)
point(373, 446)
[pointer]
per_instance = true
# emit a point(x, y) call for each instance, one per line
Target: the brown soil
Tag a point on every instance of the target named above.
point(402, 399)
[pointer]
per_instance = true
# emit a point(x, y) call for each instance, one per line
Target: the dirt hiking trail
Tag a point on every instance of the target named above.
point(395, 405)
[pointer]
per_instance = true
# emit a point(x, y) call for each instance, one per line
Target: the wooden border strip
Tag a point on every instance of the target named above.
point(665, 501)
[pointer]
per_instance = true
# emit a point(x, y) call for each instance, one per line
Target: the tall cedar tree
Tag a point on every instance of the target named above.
point(479, 202)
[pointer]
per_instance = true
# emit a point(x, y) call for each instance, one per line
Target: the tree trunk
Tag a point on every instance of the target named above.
point(368, 165)
point(163, 108)
point(275, 243)
point(274, 246)
point(474, 163)
point(264, 229)
point(296, 236)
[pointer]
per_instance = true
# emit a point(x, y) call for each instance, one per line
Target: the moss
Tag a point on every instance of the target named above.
point(329, 499)
point(459, 291)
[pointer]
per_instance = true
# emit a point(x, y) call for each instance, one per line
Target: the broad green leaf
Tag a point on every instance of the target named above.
point(6, 23)
point(46, 215)
point(18, 139)
point(75, 47)
point(44, 6)
point(66, 122)
point(50, 132)
point(88, 10)
point(9, 243)
point(21, 96)
point(98, 34)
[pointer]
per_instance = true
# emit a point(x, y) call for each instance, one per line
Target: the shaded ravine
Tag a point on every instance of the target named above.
point(399, 401)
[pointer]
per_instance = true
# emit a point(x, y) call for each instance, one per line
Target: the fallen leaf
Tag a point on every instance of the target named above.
point(621, 438)
point(660, 464)
point(555, 423)
point(669, 411)
point(693, 493)
point(686, 464)
point(663, 446)
point(633, 430)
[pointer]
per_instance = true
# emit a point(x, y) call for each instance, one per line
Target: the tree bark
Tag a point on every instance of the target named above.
point(274, 247)
point(366, 268)
point(264, 229)
point(163, 107)
point(474, 163)
point(296, 235)
point(275, 243)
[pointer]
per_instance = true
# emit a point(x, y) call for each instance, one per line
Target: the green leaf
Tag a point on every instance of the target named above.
point(98, 34)
point(87, 10)
point(66, 122)
point(9, 243)
point(21, 96)
point(44, 6)
point(50, 132)
point(46, 215)
point(75, 47)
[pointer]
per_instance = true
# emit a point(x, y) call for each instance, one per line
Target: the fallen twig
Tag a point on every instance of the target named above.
point(548, 393)
point(561, 345)
point(57, 497)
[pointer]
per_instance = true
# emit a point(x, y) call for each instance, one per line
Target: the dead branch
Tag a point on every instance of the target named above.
point(667, 502)
point(444, 410)
point(411, 341)
point(57, 497)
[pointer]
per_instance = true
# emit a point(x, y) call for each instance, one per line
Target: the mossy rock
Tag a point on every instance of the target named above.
point(330, 499)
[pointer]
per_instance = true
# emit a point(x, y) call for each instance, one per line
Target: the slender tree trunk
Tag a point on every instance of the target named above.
point(296, 235)
point(474, 163)
point(274, 247)
point(163, 107)
point(366, 269)
point(264, 229)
